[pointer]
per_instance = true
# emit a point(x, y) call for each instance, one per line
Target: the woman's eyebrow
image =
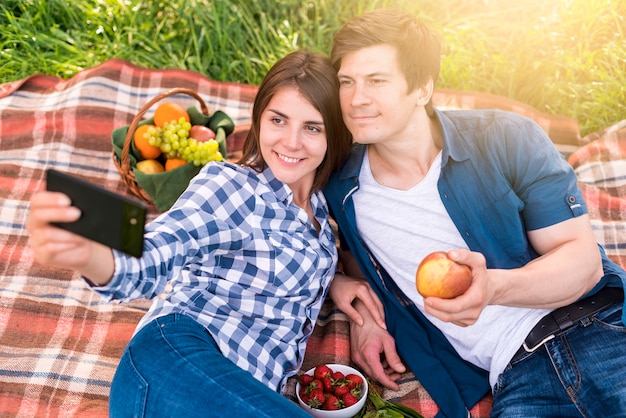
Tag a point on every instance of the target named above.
point(282, 115)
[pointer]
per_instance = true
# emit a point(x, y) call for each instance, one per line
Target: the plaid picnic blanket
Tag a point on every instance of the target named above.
point(600, 166)
point(59, 343)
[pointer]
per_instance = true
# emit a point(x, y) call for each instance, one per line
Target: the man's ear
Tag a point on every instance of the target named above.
point(425, 92)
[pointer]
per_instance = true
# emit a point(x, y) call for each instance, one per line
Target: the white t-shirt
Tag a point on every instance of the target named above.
point(401, 228)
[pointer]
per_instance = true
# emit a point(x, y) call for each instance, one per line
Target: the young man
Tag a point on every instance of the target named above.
point(490, 188)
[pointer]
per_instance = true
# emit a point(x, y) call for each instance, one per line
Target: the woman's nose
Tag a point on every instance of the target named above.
point(293, 138)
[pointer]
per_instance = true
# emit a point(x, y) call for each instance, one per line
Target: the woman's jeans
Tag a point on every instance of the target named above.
point(173, 368)
point(581, 373)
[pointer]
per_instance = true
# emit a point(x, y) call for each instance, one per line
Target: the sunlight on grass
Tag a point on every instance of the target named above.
point(563, 56)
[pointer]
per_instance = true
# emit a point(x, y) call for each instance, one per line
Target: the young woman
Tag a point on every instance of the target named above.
point(247, 249)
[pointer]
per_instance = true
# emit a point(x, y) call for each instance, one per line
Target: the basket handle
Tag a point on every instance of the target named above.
point(125, 162)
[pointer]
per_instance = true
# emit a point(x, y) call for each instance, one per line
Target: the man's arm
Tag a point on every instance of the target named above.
point(568, 267)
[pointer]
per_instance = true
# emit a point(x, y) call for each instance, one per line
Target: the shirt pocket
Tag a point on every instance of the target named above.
point(295, 262)
point(505, 227)
point(246, 268)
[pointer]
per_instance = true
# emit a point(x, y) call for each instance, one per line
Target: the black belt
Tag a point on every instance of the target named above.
point(564, 318)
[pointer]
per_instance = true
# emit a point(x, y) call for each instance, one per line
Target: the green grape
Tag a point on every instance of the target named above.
point(174, 141)
point(213, 146)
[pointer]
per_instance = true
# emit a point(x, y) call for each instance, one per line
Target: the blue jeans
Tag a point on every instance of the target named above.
point(173, 368)
point(581, 373)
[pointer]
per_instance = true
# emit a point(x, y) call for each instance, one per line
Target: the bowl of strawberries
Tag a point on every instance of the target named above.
point(332, 391)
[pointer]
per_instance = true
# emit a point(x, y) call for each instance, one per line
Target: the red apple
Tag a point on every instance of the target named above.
point(201, 133)
point(438, 275)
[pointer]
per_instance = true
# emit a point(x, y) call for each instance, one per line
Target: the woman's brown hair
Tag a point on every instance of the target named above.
point(316, 80)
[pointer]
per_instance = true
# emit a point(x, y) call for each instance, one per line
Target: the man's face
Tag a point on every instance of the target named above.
point(375, 102)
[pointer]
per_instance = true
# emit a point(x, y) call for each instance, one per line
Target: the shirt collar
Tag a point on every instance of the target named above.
point(280, 189)
point(453, 147)
point(352, 166)
point(284, 194)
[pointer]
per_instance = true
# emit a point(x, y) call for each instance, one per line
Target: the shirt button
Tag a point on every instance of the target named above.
point(572, 199)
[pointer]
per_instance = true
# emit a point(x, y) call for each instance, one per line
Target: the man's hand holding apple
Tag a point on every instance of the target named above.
point(464, 309)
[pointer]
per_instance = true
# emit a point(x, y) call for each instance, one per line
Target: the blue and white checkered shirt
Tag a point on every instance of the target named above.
point(244, 261)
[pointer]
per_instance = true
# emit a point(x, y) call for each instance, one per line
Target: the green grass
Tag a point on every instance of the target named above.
point(561, 56)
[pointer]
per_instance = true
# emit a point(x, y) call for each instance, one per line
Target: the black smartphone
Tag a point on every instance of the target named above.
point(107, 217)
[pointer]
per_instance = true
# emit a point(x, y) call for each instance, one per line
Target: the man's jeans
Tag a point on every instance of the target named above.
point(173, 368)
point(581, 373)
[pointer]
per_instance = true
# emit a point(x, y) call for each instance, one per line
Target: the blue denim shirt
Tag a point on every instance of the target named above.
point(500, 177)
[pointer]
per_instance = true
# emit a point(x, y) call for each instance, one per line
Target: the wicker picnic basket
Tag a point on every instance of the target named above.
point(162, 189)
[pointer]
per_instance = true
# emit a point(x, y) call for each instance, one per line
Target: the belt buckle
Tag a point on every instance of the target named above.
point(536, 346)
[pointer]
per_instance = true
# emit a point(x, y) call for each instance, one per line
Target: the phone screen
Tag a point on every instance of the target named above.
point(107, 217)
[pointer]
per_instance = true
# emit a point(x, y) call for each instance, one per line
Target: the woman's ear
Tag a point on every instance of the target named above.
point(425, 92)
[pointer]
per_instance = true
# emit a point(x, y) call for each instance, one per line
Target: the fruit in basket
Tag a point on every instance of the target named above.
point(174, 140)
point(172, 163)
point(141, 142)
point(169, 112)
point(440, 276)
point(150, 166)
point(201, 133)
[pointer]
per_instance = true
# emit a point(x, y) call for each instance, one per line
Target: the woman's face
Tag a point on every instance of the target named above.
point(292, 139)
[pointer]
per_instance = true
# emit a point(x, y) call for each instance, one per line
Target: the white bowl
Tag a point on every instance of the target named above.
point(348, 412)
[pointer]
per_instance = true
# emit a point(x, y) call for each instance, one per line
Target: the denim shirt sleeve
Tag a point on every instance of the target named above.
point(502, 176)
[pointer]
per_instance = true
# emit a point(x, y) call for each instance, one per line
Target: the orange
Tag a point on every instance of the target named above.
point(146, 150)
point(168, 112)
point(172, 163)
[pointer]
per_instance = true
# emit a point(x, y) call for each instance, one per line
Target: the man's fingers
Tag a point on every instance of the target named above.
point(392, 357)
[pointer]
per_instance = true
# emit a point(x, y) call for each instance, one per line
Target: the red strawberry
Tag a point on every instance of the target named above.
point(341, 390)
point(332, 403)
point(321, 371)
point(305, 379)
point(316, 398)
point(304, 395)
point(354, 381)
point(337, 376)
point(349, 399)
point(328, 384)
point(315, 384)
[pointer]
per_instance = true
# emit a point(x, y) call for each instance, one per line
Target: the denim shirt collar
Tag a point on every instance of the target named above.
point(452, 147)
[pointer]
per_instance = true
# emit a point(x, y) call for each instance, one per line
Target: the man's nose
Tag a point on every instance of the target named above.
point(360, 95)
